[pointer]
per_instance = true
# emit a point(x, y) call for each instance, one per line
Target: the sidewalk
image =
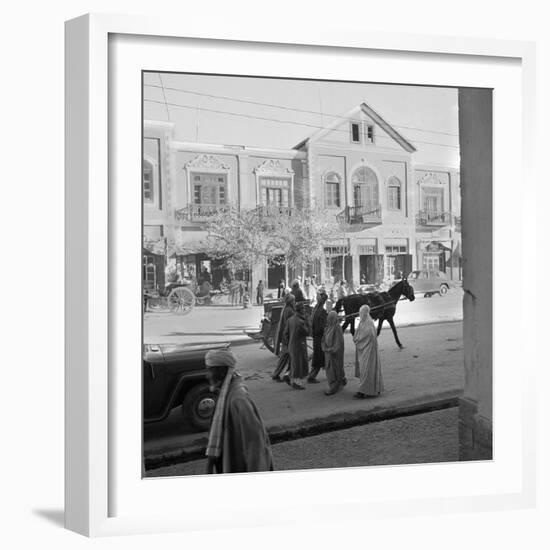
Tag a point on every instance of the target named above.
point(427, 375)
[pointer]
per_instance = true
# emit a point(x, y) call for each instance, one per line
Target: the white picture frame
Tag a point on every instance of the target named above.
point(101, 425)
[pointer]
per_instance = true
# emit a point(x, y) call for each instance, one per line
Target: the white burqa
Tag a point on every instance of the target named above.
point(367, 358)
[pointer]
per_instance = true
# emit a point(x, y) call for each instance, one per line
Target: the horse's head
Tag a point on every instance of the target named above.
point(407, 290)
point(338, 305)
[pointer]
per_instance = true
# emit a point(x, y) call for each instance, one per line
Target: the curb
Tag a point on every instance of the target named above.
point(316, 426)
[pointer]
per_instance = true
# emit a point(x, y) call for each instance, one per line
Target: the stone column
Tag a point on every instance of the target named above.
point(476, 406)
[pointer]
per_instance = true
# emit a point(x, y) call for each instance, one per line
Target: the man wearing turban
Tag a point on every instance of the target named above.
point(238, 440)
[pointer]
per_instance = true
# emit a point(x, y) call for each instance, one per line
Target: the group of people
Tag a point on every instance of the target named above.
point(238, 440)
point(328, 347)
point(309, 288)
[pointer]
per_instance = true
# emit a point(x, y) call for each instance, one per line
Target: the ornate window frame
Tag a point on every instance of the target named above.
point(207, 164)
point(273, 168)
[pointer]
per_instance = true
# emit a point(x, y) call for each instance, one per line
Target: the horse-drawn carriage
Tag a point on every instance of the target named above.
point(182, 297)
point(270, 322)
point(383, 307)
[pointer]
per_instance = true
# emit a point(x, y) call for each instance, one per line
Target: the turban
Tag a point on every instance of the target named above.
point(220, 358)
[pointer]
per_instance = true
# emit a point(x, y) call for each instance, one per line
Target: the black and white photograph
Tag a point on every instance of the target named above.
point(302, 276)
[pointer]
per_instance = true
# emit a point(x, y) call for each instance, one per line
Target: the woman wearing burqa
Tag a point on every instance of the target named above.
point(333, 346)
point(367, 358)
point(295, 333)
point(281, 344)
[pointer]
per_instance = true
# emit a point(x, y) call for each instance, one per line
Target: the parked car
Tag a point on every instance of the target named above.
point(174, 375)
point(429, 282)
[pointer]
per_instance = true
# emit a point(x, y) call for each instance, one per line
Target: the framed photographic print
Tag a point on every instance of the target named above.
point(284, 273)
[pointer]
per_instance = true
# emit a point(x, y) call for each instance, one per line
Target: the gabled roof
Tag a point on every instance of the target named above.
point(369, 111)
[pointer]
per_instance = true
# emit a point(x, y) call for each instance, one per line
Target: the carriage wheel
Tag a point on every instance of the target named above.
point(181, 300)
point(268, 333)
point(269, 343)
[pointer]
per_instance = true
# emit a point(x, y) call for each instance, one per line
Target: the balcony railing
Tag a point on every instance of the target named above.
point(431, 218)
point(274, 210)
point(360, 215)
point(198, 212)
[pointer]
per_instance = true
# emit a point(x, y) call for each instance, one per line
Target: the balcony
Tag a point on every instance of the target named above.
point(273, 211)
point(429, 219)
point(357, 218)
point(198, 212)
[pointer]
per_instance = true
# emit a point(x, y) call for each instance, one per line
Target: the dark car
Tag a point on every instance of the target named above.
point(429, 282)
point(174, 375)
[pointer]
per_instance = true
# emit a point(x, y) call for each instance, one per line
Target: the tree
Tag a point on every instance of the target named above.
point(301, 234)
point(238, 238)
point(247, 237)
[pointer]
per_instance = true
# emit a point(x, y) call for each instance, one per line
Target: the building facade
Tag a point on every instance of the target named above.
point(392, 215)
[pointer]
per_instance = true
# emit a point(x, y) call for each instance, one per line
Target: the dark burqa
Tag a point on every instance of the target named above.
point(296, 331)
point(318, 323)
point(333, 347)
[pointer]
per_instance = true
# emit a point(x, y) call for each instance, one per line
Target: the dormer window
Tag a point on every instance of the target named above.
point(369, 133)
point(355, 132)
point(361, 132)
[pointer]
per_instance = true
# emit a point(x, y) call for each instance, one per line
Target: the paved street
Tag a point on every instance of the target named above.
point(418, 439)
point(430, 368)
point(228, 323)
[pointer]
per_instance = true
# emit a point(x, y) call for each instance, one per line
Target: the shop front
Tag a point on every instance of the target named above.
point(435, 256)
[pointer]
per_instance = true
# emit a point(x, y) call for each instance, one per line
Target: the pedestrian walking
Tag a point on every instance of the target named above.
point(238, 440)
point(318, 324)
point(281, 342)
point(281, 289)
point(296, 332)
point(260, 293)
point(234, 292)
point(367, 359)
point(341, 292)
point(313, 287)
point(307, 288)
point(297, 291)
point(241, 291)
point(332, 345)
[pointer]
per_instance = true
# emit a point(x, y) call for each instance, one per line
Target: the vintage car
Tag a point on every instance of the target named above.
point(429, 282)
point(174, 375)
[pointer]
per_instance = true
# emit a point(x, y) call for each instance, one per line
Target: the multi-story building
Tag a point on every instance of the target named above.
point(392, 215)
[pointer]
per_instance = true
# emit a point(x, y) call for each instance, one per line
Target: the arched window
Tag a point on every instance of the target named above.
point(365, 188)
point(148, 184)
point(394, 193)
point(332, 190)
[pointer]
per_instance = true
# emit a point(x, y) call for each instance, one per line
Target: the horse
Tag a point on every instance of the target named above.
point(382, 304)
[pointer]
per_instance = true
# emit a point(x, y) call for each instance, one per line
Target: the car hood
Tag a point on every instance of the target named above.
point(166, 352)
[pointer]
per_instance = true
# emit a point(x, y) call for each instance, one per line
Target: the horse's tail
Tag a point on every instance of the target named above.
point(338, 305)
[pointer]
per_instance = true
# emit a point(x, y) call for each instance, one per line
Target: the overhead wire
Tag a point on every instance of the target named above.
point(281, 121)
point(286, 108)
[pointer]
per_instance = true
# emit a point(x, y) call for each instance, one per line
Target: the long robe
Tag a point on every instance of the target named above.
point(333, 347)
point(288, 311)
point(367, 359)
point(296, 331)
point(246, 446)
point(298, 294)
point(318, 323)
